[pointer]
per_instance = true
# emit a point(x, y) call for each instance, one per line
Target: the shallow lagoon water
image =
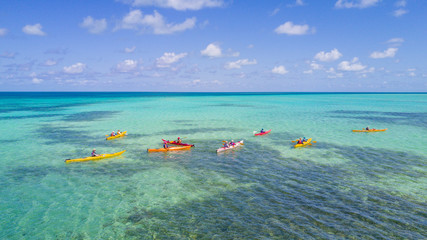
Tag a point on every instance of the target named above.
point(346, 185)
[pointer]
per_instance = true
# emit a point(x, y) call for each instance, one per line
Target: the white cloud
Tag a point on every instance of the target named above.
point(239, 63)
point(279, 70)
point(168, 58)
point(292, 29)
point(75, 68)
point(212, 50)
point(297, 3)
point(315, 66)
point(137, 21)
point(37, 80)
point(354, 65)
point(94, 26)
point(401, 3)
point(130, 50)
point(179, 4)
point(389, 53)
point(396, 40)
point(50, 62)
point(7, 55)
point(356, 3)
point(275, 11)
point(3, 32)
point(35, 29)
point(127, 65)
point(333, 55)
point(400, 12)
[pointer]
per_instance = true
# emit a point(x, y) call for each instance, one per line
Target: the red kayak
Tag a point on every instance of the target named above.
point(259, 134)
point(176, 143)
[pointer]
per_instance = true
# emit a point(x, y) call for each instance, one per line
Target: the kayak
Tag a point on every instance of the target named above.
point(117, 136)
point(168, 149)
point(176, 143)
point(371, 130)
point(101, 156)
point(239, 143)
point(259, 134)
point(303, 144)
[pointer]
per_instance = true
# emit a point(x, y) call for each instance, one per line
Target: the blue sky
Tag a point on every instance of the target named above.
point(213, 45)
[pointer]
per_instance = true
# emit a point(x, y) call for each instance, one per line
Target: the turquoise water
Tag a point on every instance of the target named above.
point(346, 185)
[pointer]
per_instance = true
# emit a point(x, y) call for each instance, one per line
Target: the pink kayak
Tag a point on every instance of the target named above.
point(259, 134)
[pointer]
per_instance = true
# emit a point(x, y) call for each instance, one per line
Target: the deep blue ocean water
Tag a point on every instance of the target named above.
point(345, 186)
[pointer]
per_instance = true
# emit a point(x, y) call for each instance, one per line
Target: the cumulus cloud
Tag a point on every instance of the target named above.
point(127, 65)
point(354, 65)
point(389, 53)
point(130, 50)
point(292, 29)
point(333, 55)
point(239, 63)
point(37, 80)
point(3, 32)
point(35, 29)
point(279, 70)
point(212, 50)
point(75, 68)
point(179, 4)
point(169, 58)
point(94, 26)
point(137, 21)
point(355, 3)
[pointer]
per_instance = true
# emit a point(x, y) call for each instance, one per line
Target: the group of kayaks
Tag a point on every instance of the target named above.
point(186, 146)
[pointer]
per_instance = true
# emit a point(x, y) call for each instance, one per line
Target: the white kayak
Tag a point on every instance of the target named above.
point(239, 143)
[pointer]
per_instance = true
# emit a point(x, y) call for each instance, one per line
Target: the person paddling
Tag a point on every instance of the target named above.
point(165, 145)
point(232, 143)
point(262, 130)
point(300, 141)
point(178, 140)
point(304, 139)
point(118, 132)
point(367, 128)
point(226, 144)
point(94, 153)
point(113, 133)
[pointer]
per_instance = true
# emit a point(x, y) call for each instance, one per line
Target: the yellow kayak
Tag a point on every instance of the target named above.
point(117, 136)
point(303, 144)
point(371, 130)
point(168, 149)
point(101, 156)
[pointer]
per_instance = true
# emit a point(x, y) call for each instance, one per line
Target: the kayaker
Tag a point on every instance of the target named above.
point(232, 143)
point(262, 130)
point(94, 153)
point(226, 144)
point(300, 141)
point(367, 128)
point(118, 132)
point(304, 139)
point(165, 145)
point(179, 140)
point(113, 133)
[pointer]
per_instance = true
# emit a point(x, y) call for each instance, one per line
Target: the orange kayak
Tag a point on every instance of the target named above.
point(168, 149)
point(371, 130)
